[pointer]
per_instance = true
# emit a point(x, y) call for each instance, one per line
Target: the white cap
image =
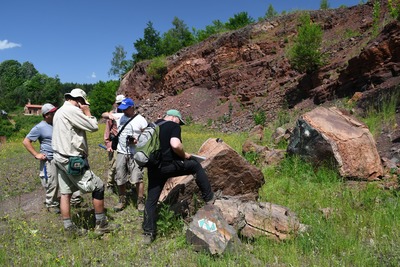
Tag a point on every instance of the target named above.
point(119, 98)
point(46, 108)
point(77, 92)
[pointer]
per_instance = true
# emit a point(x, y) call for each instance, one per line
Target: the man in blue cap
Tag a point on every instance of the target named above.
point(130, 126)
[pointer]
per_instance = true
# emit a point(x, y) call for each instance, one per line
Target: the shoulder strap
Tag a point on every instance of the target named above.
point(160, 123)
point(123, 127)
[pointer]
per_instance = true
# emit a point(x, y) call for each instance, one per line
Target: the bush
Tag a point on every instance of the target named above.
point(259, 117)
point(394, 9)
point(305, 55)
point(157, 68)
point(6, 128)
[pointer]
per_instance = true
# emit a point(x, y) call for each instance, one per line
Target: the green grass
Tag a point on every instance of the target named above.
point(362, 230)
point(383, 114)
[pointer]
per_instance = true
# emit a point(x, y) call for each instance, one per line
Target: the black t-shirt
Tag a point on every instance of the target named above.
point(167, 131)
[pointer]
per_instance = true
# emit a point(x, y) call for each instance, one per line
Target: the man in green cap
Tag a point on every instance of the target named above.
point(175, 162)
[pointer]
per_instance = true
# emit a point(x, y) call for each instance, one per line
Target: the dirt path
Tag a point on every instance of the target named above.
point(31, 204)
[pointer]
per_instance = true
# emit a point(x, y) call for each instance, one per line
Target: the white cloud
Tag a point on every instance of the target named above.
point(5, 44)
point(93, 75)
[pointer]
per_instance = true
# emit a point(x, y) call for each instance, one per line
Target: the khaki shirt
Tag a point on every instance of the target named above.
point(69, 131)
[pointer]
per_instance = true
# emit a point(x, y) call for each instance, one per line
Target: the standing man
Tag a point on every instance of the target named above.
point(111, 128)
point(71, 122)
point(131, 124)
point(175, 162)
point(43, 132)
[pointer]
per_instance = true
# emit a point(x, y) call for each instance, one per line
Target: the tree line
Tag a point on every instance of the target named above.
point(21, 83)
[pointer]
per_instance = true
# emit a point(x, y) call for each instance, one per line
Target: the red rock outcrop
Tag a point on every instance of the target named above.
point(241, 72)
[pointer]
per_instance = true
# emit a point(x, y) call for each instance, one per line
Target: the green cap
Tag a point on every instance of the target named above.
point(175, 113)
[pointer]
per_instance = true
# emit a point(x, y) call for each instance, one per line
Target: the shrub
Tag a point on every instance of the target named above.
point(157, 68)
point(375, 15)
point(168, 221)
point(305, 55)
point(324, 4)
point(6, 128)
point(394, 9)
point(259, 117)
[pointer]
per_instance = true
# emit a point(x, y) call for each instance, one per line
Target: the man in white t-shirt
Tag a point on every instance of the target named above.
point(127, 169)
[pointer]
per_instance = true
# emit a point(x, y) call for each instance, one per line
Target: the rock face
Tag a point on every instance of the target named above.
point(328, 136)
point(227, 171)
point(228, 77)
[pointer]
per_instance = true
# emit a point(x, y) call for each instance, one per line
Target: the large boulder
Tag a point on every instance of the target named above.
point(327, 135)
point(210, 232)
point(255, 219)
point(228, 173)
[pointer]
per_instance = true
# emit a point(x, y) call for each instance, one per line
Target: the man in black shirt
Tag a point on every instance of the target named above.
point(175, 162)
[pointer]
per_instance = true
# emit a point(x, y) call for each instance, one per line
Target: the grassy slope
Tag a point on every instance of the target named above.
point(363, 229)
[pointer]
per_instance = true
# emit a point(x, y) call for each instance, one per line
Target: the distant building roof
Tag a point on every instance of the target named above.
point(33, 106)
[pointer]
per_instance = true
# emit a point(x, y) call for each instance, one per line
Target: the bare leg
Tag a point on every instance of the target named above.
point(65, 206)
point(98, 205)
point(140, 189)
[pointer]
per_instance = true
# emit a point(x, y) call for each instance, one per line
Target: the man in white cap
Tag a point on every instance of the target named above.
point(70, 124)
point(111, 130)
point(43, 132)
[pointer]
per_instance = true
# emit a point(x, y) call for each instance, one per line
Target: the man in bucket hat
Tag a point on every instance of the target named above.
point(71, 122)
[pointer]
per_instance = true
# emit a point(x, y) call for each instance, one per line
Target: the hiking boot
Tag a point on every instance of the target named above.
point(121, 204)
point(54, 209)
point(74, 231)
point(148, 238)
point(140, 204)
point(103, 227)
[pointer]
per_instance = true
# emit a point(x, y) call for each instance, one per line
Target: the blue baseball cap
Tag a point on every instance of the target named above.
point(126, 103)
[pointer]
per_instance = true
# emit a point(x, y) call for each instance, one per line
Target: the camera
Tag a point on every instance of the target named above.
point(130, 139)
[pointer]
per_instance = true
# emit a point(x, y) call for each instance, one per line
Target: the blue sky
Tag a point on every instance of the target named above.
point(75, 39)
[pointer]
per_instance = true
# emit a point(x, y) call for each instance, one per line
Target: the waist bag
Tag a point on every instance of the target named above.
point(77, 166)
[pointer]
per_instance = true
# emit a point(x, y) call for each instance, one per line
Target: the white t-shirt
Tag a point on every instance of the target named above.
point(134, 128)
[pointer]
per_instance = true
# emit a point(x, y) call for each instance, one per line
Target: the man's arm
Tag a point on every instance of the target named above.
point(177, 147)
point(29, 146)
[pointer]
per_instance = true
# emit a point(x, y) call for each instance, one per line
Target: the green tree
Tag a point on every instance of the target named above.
point(394, 9)
point(147, 47)
point(39, 89)
point(119, 64)
point(238, 21)
point(305, 55)
point(216, 27)
point(271, 13)
point(27, 70)
point(102, 97)
point(376, 12)
point(324, 4)
point(13, 75)
point(176, 38)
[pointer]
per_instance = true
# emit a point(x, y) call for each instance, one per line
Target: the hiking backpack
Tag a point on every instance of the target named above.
point(148, 148)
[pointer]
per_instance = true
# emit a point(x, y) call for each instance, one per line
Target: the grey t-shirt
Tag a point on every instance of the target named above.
point(44, 133)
